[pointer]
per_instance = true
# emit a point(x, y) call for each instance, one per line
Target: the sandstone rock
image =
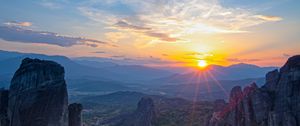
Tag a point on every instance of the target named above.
point(75, 114)
point(38, 94)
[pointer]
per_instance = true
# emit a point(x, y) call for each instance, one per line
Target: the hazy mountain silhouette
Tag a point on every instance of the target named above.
point(74, 70)
point(215, 72)
point(110, 74)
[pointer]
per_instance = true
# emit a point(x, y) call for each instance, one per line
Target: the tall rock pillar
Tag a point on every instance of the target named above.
point(75, 114)
point(38, 94)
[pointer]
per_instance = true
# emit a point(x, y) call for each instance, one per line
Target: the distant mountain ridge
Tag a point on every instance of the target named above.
point(91, 68)
point(216, 72)
point(9, 62)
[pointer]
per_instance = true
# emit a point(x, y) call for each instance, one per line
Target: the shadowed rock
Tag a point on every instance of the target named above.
point(143, 116)
point(272, 79)
point(277, 103)
point(38, 94)
point(4, 121)
point(75, 114)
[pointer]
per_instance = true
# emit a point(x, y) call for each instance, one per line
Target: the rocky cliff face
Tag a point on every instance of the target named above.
point(277, 103)
point(38, 94)
point(143, 116)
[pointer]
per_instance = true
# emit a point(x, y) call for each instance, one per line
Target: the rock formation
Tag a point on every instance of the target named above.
point(38, 94)
point(143, 116)
point(75, 114)
point(277, 103)
point(3, 107)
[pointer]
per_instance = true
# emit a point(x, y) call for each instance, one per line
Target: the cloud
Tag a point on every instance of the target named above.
point(115, 36)
point(198, 55)
point(285, 55)
point(243, 60)
point(118, 56)
point(51, 5)
point(162, 36)
point(19, 34)
point(268, 18)
point(173, 20)
point(99, 52)
point(18, 24)
point(165, 54)
point(125, 25)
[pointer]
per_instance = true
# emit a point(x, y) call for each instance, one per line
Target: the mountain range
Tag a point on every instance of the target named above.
point(102, 75)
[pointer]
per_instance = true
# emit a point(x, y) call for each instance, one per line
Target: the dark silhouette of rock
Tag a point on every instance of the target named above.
point(272, 78)
point(75, 114)
point(277, 103)
point(4, 121)
point(286, 109)
point(143, 116)
point(38, 94)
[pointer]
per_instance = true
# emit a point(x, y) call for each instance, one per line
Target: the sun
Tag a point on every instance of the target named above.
point(202, 63)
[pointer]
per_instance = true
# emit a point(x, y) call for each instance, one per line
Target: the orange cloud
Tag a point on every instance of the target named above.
point(268, 18)
point(19, 24)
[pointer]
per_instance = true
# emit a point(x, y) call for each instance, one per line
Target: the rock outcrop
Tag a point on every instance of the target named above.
point(143, 116)
point(75, 114)
point(4, 121)
point(38, 94)
point(277, 103)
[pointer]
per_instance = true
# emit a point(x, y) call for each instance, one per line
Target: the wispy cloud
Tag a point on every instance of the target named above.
point(10, 32)
point(18, 24)
point(118, 56)
point(269, 18)
point(99, 52)
point(125, 25)
point(243, 60)
point(285, 55)
point(51, 4)
point(115, 36)
point(162, 36)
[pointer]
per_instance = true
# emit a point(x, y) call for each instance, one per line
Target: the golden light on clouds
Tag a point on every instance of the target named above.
point(269, 18)
point(179, 27)
point(172, 22)
point(185, 31)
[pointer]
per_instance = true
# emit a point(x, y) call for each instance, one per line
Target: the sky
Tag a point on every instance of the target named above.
point(155, 32)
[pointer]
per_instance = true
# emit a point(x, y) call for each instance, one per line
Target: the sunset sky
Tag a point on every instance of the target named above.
point(155, 32)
